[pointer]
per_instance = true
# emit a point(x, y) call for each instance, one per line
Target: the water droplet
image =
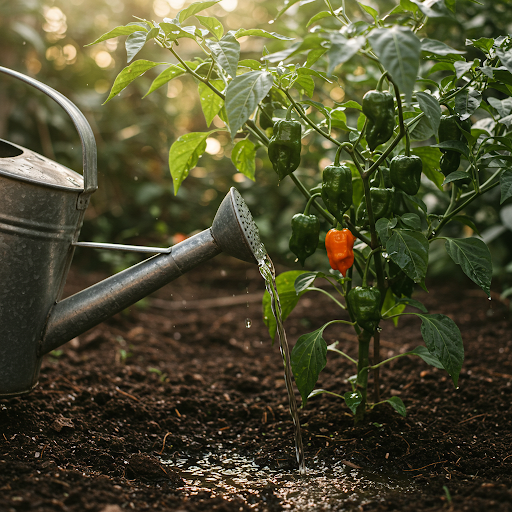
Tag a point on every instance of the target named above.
point(271, 22)
point(489, 298)
point(248, 323)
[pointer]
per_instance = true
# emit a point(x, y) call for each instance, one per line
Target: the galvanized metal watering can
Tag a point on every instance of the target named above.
point(42, 206)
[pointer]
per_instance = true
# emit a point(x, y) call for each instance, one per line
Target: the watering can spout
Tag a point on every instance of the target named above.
point(233, 231)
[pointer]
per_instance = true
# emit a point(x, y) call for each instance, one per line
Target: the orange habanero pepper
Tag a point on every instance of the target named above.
point(339, 245)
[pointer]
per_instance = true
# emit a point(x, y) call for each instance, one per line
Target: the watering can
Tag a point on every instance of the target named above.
point(42, 208)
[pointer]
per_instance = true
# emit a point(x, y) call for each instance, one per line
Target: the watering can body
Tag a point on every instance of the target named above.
point(42, 205)
point(39, 221)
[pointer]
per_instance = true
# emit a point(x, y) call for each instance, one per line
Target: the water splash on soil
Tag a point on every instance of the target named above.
point(328, 486)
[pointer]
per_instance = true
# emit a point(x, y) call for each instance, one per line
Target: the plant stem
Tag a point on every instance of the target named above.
point(376, 360)
point(488, 185)
point(362, 373)
point(338, 303)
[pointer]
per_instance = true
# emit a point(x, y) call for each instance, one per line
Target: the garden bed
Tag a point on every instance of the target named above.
point(185, 379)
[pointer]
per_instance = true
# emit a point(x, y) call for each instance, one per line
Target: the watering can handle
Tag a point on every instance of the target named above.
point(84, 131)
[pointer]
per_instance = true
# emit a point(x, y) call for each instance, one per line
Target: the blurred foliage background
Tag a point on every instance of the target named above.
point(135, 202)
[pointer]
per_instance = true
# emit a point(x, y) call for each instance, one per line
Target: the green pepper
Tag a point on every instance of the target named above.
point(449, 162)
point(364, 303)
point(449, 129)
point(405, 173)
point(305, 236)
point(382, 205)
point(379, 108)
point(337, 189)
point(284, 147)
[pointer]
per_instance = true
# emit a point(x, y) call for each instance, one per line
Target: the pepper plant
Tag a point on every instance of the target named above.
point(434, 123)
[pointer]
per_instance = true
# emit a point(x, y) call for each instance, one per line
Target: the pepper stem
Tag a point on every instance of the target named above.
point(381, 80)
point(310, 200)
point(289, 112)
point(407, 142)
point(341, 147)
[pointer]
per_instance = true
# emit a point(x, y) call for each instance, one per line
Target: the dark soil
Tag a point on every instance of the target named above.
point(157, 384)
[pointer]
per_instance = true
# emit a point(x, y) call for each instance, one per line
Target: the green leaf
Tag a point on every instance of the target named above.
point(398, 49)
point(463, 219)
point(462, 67)
point(391, 306)
point(184, 155)
point(134, 43)
point(305, 280)
point(342, 49)
point(243, 157)
point(243, 95)
point(174, 32)
point(413, 303)
point(435, 9)
point(474, 257)
point(129, 74)
point(173, 71)
point(506, 57)
point(305, 83)
point(412, 221)
point(456, 176)
point(444, 341)
point(506, 185)
point(258, 32)
point(431, 107)
point(438, 48)
point(287, 297)
point(250, 63)
point(211, 103)
point(454, 145)
point(467, 102)
point(313, 72)
point(504, 107)
point(421, 130)
point(409, 250)
point(370, 10)
point(398, 405)
point(308, 358)
point(226, 52)
point(118, 31)
point(194, 8)
point(353, 399)
point(423, 352)
point(310, 42)
point(483, 43)
point(317, 17)
point(384, 227)
point(212, 24)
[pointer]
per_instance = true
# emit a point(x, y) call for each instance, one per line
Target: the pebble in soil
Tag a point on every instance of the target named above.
point(325, 487)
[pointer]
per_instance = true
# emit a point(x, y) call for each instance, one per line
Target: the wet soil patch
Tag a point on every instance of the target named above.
point(181, 376)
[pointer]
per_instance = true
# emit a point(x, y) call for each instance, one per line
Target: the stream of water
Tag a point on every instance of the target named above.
point(268, 273)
